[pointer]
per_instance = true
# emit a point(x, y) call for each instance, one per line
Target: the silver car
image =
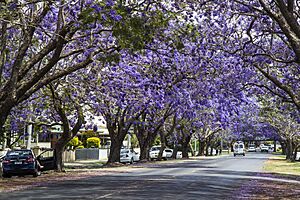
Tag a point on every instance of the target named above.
point(129, 156)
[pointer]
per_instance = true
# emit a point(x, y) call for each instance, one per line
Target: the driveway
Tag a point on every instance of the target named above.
point(210, 178)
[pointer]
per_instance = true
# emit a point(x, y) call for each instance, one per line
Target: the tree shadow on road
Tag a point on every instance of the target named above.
point(274, 186)
point(172, 183)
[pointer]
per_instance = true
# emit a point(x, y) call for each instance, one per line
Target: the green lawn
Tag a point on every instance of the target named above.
point(278, 164)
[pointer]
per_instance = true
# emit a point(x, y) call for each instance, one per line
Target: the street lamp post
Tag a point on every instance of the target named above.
point(29, 132)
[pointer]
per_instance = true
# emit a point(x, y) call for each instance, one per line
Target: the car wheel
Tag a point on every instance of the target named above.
point(234, 155)
point(5, 175)
point(36, 173)
point(131, 161)
point(243, 154)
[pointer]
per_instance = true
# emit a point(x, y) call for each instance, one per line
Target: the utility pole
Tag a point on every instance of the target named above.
point(29, 132)
point(4, 141)
point(195, 147)
point(221, 143)
point(129, 140)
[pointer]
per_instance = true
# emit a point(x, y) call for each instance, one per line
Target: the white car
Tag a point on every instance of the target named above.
point(179, 155)
point(129, 156)
point(239, 148)
point(251, 148)
point(298, 156)
point(154, 151)
point(264, 148)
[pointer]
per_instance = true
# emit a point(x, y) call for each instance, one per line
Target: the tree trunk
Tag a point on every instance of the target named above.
point(5, 142)
point(185, 150)
point(283, 148)
point(58, 156)
point(163, 146)
point(4, 112)
point(289, 150)
point(295, 153)
point(206, 149)
point(231, 147)
point(208, 145)
point(185, 142)
point(114, 153)
point(201, 148)
point(144, 151)
point(59, 150)
point(145, 140)
point(115, 147)
point(175, 150)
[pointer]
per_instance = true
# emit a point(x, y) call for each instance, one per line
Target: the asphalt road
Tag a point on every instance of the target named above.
point(212, 178)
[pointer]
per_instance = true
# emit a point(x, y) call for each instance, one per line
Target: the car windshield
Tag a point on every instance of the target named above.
point(124, 151)
point(155, 148)
point(238, 146)
point(168, 150)
point(19, 154)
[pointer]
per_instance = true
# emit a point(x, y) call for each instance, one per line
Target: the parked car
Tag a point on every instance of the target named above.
point(238, 148)
point(169, 153)
point(23, 162)
point(179, 155)
point(251, 148)
point(129, 156)
point(298, 156)
point(265, 148)
point(20, 162)
point(154, 151)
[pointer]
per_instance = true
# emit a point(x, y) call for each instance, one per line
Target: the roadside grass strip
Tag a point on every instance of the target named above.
point(278, 164)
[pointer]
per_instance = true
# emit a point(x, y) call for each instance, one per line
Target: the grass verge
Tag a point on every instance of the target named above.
point(278, 164)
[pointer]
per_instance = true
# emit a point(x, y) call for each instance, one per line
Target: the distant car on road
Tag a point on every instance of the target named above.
point(251, 148)
point(129, 156)
point(238, 148)
point(265, 148)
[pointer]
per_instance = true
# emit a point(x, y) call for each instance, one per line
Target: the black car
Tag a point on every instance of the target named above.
point(20, 162)
point(23, 162)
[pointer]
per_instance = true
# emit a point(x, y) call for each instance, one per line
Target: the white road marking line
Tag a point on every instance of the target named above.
point(104, 196)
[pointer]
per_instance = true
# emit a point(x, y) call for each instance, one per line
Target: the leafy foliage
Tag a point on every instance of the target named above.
point(93, 142)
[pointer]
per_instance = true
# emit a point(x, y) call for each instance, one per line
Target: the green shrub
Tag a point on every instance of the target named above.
point(74, 143)
point(93, 142)
point(87, 134)
point(80, 147)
